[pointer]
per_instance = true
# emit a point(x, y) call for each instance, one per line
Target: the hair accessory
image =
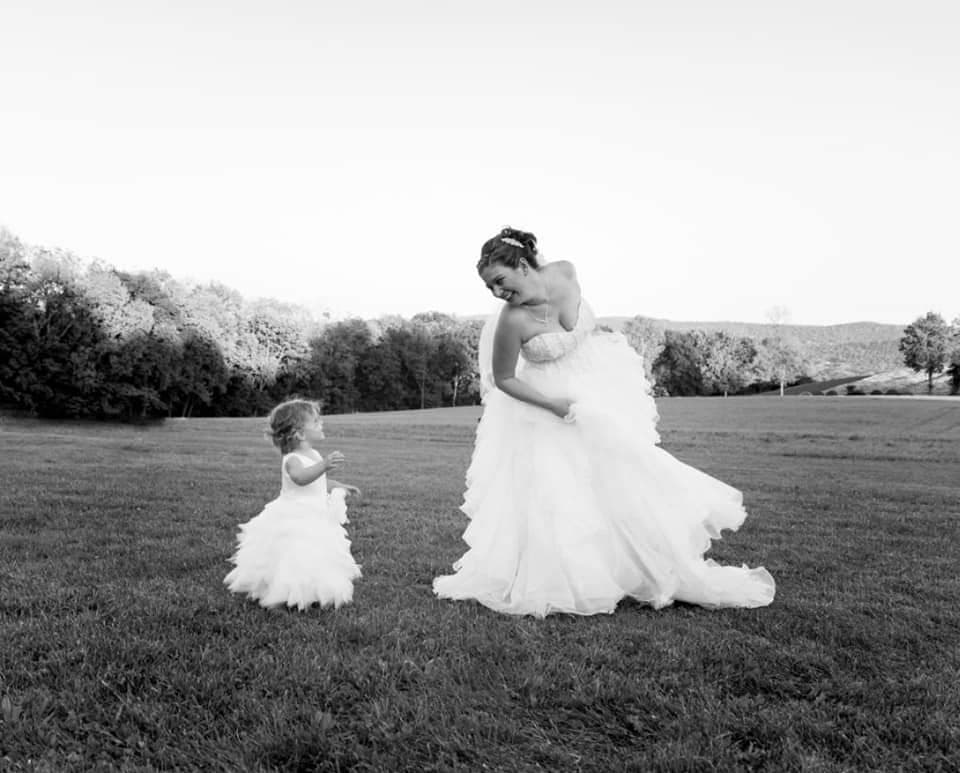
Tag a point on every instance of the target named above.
point(511, 241)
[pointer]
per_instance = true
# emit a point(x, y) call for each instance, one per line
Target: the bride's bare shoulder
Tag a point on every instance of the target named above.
point(562, 268)
point(510, 319)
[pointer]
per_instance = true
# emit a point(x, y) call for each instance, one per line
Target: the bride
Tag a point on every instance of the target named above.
point(572, 504)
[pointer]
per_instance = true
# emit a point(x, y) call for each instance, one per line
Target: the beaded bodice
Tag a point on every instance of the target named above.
point(555, 344)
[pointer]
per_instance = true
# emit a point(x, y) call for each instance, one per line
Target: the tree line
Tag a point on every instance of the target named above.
point(930, 345)
point(83, 339)
point(695, 362)
point(86, 340)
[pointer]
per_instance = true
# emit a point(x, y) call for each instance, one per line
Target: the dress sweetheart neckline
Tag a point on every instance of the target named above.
point(562, 329)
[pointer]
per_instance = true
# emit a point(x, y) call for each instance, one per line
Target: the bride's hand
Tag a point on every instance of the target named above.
point(561, 407)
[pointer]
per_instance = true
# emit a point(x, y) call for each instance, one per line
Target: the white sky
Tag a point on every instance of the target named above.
point(697, 160)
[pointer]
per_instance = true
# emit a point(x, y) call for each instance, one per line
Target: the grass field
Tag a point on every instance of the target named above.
point(120, 648)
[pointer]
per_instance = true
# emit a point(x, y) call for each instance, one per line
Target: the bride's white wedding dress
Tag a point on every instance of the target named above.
point(572, 516)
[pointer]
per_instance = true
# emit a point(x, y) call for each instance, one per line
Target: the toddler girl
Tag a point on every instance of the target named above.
point(296, 551)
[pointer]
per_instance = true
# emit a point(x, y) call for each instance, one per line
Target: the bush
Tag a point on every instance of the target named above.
point(831, 393)
point(877, 392)
point(896, 392)
point(853, 389)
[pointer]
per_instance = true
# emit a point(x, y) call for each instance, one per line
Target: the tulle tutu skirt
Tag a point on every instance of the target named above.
point(295, 553)
point(572, 516)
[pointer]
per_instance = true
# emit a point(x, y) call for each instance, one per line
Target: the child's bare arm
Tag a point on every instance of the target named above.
point(332, 484)
point(305, 474)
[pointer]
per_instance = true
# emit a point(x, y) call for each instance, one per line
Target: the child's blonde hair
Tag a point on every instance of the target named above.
point(289, 418)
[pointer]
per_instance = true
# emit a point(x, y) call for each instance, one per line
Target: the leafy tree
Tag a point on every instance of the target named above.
point(161, 292)
point(217, 311)
point(142, 358)
point(780, 361)
point(469, 385)
point(202, 374)
point(274, 340)
point(780, 357)
point(728, 363)
point(16, 318)
point(451, 360)
point(120, 314)
point(58, 370)
point(678, 368)
point(451, 364)
point(954, 357)
point(415, 348)
point(331, 369)
point(778, 315)
point(141, 377)
point(54, 266)
point(380, 375)
point(647, 339)
point(925, 345)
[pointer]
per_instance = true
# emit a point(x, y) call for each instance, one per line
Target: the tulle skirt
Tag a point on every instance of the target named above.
point(572, 516)
point(295, 553)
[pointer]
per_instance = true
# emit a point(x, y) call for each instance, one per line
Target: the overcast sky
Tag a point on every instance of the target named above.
point(697, 160)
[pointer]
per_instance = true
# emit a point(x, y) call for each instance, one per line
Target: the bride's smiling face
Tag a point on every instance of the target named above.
point(507, 284)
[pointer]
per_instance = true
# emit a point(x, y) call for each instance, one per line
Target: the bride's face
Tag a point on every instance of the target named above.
point(508, 284)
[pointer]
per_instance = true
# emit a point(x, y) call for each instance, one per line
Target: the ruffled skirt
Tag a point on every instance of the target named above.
point(295, 553)
point(572, 516)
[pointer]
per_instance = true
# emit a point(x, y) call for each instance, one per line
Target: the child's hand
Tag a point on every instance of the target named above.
point(350, 490)
point(334, 460)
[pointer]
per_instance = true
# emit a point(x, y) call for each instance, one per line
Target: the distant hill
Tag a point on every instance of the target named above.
point(834, 351)
point(848, 332)
point(899, 381)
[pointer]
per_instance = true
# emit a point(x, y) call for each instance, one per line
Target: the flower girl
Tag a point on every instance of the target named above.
point(296, 551)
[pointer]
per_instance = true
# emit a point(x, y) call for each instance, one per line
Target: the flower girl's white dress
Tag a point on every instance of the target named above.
point(296, 551)
point(572, 516)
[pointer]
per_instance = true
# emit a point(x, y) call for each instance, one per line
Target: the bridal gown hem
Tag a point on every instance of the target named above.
point(573, 516)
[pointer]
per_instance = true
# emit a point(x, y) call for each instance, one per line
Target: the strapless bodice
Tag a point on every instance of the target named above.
point(552, 345)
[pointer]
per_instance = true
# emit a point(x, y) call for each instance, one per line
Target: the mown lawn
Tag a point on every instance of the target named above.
point(120, 648)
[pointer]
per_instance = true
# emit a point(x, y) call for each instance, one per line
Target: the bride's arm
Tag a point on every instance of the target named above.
point(506, 351)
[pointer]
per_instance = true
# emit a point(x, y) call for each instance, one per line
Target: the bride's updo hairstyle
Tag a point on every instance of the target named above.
point(509, 247)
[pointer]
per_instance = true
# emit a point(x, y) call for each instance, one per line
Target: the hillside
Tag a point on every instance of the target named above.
point(848, 332)
point(834, 351)
point(898, 381)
